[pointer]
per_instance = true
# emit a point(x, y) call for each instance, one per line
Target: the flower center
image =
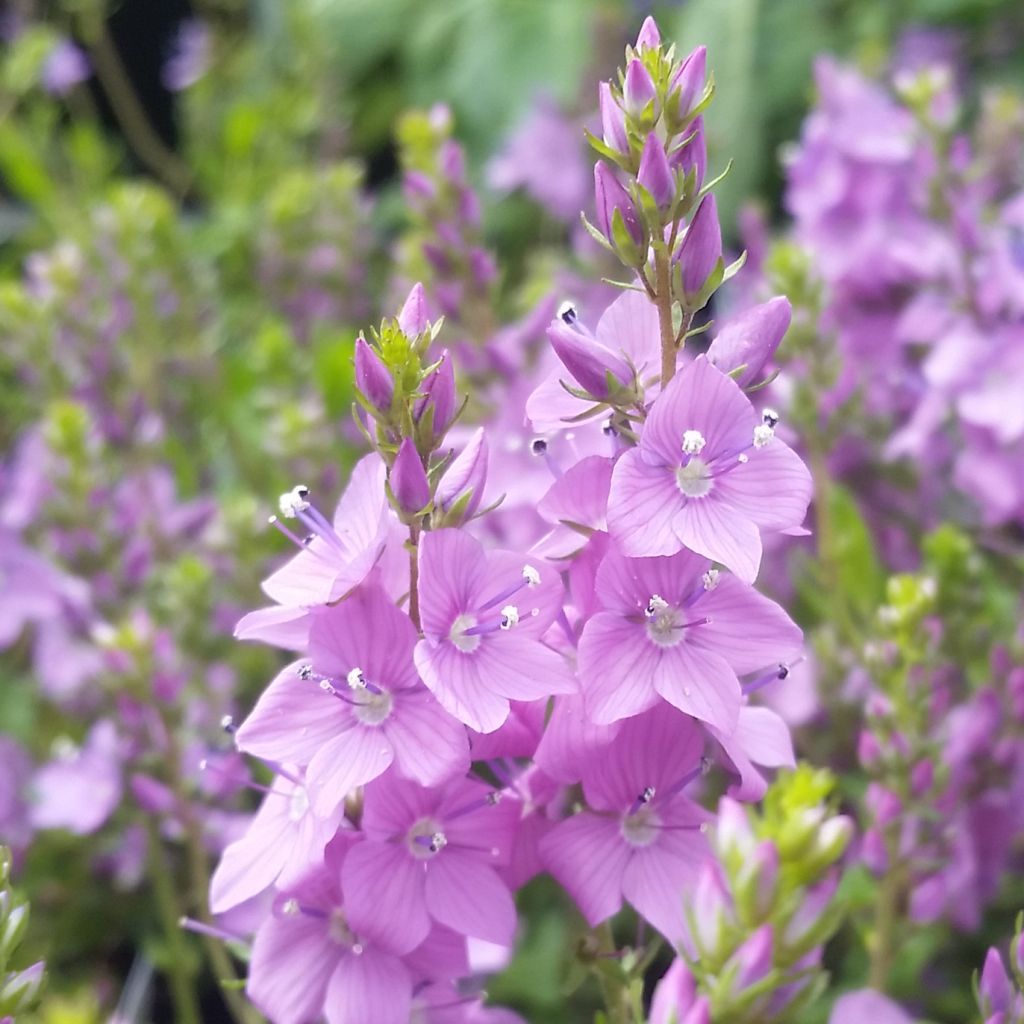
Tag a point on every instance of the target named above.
point(694, 479)
point(426, 839)
point(339, 930)
point(641, 827)
point(374, 708)
point(663, 625)
point(458, 635)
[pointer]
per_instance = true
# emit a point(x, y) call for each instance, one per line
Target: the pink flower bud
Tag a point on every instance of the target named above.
point(610, 196)
point(754, 958)
point(408, 479)
point(438, 389)
point(702, 247)
point(412, 320)
point(587, 360)
point(692, 155)
point(613, 123)
point(649, 38)
point(994, 987)
point(689, 82)
point(750, 339)
point(655, 174)
point(637, 89)
point(466, 475)
point(372, 377)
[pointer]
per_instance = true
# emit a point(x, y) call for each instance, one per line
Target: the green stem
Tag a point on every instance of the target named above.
point(199, 883)
point(414, 574)
point(131, 116)
point(663, 300)
point(179, 974)
point(883, 940)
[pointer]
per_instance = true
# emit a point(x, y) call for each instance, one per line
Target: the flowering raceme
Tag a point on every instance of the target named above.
point(467, 711)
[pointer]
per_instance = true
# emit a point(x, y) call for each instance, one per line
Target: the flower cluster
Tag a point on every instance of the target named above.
point(463, 716)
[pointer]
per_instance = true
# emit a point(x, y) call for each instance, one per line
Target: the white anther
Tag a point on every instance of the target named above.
point(763, 433)
point(693, 442)
point(531, 575)
point(567, 313)
point(290, 907)
point(743, 457)
point(356, 680)
point(647, 795)
point(438, 841)
point(509, 616)
point(655, 605)
point(294, 501)
point(306, 671)
point(770, 418)
point(710, 579)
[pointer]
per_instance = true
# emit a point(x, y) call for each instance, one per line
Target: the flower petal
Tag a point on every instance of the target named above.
point(469, 897)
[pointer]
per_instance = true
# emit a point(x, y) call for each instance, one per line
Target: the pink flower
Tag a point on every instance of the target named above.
point(356, 706)
point(313, 959)
point(640, 838)
point(673, 628)
point(483, 618)
point(284, 841)
point(430, 855)
point(708, 473)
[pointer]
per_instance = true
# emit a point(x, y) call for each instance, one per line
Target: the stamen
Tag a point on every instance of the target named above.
point(434, 843)
point(305, 672)
point(770, 418)
point(754, 685)
point(655, 605)
point(190, 924)
point(608, 428)
point(509, 616)
point(763, 433)
point(356, 680)
point(492, 798)
point(227, 724)
point(710, 579)
point(531, 575)
point(538, 446)
point(567, 313)
point(693, 442)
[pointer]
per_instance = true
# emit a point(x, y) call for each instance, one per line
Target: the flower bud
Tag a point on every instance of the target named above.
point(438, 389)
point(832, 838)
point(674, 995)
point(712, 912)
point(610, 197)
point(637, 89)
point(655, 174)
point(884, 804)
point(613, 122)
point(19, 990)
point(755, 883)
point(804, 929)
point(412, 321)
point(734, 838)
point(700, 1012)
point(648, 38)
point(750, 340)
point(869, 751)
point(462, 485)
point(701, 249)
point(13, 929)
point(687, 84)
point(589, 362)
point(754, 958)
point(692, 155)
point(873, 851)
point(994, 988)
point(408, 480)
point(922, 776)
point(372, 377)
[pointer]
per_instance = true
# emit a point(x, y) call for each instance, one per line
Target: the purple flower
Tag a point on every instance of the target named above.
point(311, 959)
point(640, 838)
point(190, 57)
point(339, 555)
point(284, 842)
point(708, 473)
point(413, 320)
point(611, 198)
point(438, 389)
point(431, 856)
point(613, 124)
point(82, 786)
point(65, 67)
point(637, 89)
point(674, 628)
point(355, 706)
point(688, 82)
point(484, 616)
point(648, 38)
point(465, 478)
